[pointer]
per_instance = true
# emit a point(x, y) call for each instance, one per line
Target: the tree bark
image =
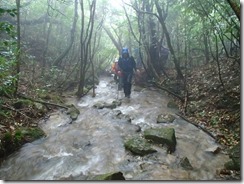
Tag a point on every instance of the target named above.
point(235, 8)
point(18, 59)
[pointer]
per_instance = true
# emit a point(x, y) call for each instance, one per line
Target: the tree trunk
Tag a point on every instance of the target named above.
point(46, 48)
point(235, 8)
point(206, 52)
point(117, 44)
point(85, 41)
point(18, 59)
point(176, 62)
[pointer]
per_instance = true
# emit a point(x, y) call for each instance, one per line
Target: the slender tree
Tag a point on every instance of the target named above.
point(85, 41)
point(18, 59)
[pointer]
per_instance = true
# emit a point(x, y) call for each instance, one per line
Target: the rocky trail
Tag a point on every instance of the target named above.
point(140, 138)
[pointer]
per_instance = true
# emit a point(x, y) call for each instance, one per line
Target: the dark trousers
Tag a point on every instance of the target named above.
point(127, 83)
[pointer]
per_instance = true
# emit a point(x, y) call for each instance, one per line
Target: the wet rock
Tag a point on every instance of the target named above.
point(165, 118)
point(99, 105)
point(120, 115)
point(73, 112)
point(40, 107)
point(109, 176)
point(139, 146)
point(125, 117)
point(112, 105)
point(117, 113)
point(235, 163)
point(214, 150)
point(164, 136)
point(185, 163)
point(138, 128)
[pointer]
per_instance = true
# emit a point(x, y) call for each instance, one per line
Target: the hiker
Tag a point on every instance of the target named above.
point(114, 69)
point(127, 65)
point(117, 74)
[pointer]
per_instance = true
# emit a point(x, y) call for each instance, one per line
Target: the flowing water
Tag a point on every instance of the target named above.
point(94, 143)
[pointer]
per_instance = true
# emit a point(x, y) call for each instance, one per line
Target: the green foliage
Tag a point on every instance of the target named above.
point(6, 26)
point(7, 80)
point(214, 120)
point(7, 137)
point(18, 137)
point(33, 133)
point(7, 47)
point(12, 12)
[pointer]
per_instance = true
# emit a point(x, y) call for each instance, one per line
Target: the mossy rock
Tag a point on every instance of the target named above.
point(73, 112)
point(185, 163)
point(139, 146)
point(110, 176)
point(99, 105)
point(164, 136)
point(42, 108)
point(165, 118)
point(112, 105)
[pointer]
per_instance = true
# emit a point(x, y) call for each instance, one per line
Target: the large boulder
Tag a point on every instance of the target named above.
point(139, 146)
point(164, 136)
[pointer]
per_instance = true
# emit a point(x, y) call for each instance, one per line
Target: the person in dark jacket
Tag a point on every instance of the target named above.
point(127, 65)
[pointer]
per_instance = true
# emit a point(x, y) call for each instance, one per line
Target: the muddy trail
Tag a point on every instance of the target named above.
point(93, 144)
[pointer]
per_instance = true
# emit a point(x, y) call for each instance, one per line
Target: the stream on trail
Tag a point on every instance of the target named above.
point(94, 143)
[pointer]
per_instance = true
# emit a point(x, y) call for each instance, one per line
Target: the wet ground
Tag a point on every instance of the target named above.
point(94, 143)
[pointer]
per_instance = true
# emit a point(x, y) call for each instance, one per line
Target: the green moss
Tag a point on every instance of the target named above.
point(7, 137)
point(18, 137)
point(73, 112)
point(11, 142)
point(139, 146)
point(162, 136)
point(33, 133)
point(232, 166)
